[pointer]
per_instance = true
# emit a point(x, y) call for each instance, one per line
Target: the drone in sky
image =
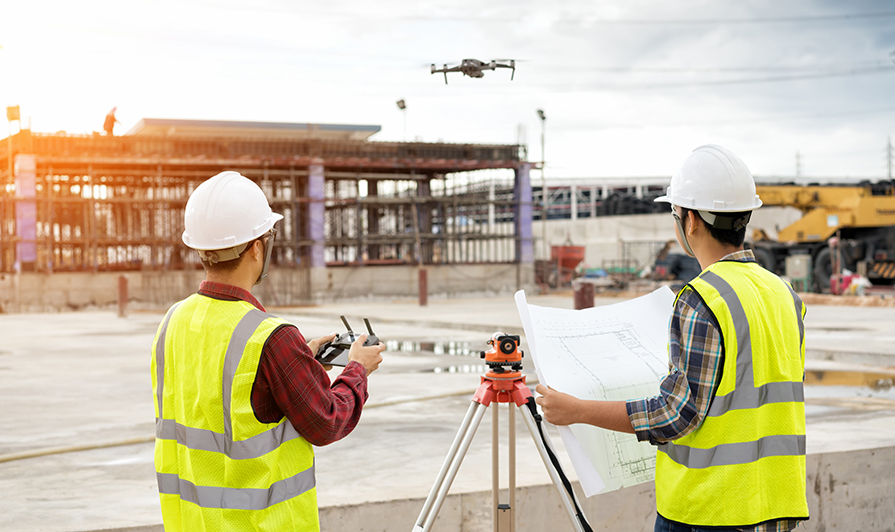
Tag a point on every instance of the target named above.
point(474, 68)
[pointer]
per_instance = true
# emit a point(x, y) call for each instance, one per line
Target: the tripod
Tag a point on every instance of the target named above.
point(499, 387)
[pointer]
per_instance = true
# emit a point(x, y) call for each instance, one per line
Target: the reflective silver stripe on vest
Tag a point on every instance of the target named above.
point(160, 359)
point(798, 301)
point(207, 440)
point(237, 498)
point(235, 348)
point(736, 453)
point(745, 377)
point(772, 392)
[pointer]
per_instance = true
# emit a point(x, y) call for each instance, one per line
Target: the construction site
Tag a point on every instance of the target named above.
point(429, 241)
point(114, 205)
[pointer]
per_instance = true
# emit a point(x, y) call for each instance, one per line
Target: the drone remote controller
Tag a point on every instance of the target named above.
point(335, 353)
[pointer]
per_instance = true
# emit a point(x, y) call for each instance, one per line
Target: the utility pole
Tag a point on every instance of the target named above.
point(403, 107)
point(889, 157)
point(544, 195)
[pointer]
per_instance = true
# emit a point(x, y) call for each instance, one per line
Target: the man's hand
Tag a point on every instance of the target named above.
point(370, 357)
point(559, 408)
point(316, 343)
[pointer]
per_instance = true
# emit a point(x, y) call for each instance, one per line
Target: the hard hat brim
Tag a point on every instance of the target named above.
point(663, 199)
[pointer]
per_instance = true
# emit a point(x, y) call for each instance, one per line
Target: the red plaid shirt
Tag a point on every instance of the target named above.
point(291, 383)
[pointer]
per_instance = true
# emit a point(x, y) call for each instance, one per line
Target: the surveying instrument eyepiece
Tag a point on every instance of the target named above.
point(502, 383)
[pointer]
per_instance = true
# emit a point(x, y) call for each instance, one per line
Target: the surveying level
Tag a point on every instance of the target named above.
point(502, 383)
point(504, 353)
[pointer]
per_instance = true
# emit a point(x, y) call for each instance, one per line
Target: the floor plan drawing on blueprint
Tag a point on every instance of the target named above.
point(610, 353)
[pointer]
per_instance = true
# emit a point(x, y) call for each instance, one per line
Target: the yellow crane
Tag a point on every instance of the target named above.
point(862, 216)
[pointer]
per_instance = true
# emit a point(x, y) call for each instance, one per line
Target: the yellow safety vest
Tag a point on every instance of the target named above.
point(745, 464)
point(218, 467)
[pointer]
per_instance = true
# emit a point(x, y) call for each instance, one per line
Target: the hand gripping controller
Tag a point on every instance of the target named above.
point(335, 353)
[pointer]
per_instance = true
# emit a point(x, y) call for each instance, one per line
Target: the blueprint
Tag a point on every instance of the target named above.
point(609, 353)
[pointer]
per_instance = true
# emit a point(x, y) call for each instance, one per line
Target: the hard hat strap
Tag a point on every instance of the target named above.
point(222, 255)
point(680, 228)
point(729, 223)
point(268, 249)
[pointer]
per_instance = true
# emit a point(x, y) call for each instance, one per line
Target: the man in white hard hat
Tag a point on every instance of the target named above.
point(240, 400)
point(729, 422)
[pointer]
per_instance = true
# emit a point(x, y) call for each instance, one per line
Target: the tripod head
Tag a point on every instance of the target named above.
point(504, 358)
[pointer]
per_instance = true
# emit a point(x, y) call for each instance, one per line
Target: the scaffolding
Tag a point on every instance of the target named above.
point(98, 203)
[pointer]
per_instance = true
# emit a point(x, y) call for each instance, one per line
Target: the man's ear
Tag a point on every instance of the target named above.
point(693, 218)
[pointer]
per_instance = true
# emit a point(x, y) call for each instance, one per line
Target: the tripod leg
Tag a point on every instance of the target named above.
point(495, 469)
point(451, 465)
point(512, 466)
point(554, 476)
point(464, 425)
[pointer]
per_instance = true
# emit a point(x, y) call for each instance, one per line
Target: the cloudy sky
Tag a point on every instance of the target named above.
point(629, 87)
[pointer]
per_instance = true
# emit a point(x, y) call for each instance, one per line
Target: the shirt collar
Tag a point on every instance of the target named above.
point(228, 293)
point(744, 255)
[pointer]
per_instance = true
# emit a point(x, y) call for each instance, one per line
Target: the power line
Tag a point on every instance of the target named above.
point(681, 70)
point(515, 19)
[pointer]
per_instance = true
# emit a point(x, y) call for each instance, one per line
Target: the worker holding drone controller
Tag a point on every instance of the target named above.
point(240, 398)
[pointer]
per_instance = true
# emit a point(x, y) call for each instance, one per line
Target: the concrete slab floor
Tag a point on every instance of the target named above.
point(82, 379)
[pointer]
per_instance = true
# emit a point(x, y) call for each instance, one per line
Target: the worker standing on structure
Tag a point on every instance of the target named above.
point(109, 124)
point(729, 422)
point(239, 398)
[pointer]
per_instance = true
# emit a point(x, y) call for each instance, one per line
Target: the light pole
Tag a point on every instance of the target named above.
point(544, 195)
point(403, 107)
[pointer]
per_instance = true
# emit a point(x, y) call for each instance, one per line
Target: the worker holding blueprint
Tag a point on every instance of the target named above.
point(729, 418)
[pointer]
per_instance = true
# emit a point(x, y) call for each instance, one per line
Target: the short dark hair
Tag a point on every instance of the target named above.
point(733, 237)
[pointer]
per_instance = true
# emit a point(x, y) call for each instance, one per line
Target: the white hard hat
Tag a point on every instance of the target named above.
point(226, 211)
point(713, 179)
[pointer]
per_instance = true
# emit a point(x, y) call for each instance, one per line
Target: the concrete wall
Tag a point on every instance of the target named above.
point(603, 236)
point(41, 292)
point(847, 491)
point(353, 283)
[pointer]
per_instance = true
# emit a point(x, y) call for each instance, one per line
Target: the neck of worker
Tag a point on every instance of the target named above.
point(706, 249)
point(245, 275)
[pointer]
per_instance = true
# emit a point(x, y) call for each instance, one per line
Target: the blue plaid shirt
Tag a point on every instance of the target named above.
point(695, 359)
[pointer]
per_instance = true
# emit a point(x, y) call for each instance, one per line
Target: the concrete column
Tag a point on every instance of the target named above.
point(573, 201)
point(491, 198)
point(523, 214)
point(373, 218)
point(424, 219)
point(26, 212)
point(593, 202)
point(316, 215)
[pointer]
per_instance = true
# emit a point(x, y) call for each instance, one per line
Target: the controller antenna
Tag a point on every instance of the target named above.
point(369, 328)
point(346, 324)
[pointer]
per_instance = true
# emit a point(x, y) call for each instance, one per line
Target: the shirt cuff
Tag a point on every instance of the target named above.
point(637, 414)
point(360, 373)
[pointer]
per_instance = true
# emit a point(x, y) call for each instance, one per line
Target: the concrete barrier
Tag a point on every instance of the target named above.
point(848, 491)
point(65, 291)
